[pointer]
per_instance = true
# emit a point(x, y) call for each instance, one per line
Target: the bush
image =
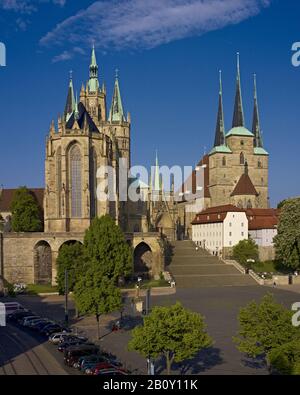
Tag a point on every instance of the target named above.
point(285, 359)
point(244, 250)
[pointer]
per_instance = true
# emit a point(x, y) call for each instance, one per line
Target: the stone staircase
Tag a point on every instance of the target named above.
point(195, 269)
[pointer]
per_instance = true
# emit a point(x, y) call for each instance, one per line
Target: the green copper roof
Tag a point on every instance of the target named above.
point(93, 57)
point(240, 131)
point(221, 149)
point(116, 112)
point(260, 151)
point(93, 83)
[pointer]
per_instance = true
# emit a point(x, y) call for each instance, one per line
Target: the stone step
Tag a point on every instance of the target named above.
point(198, 281)
point(203, 270)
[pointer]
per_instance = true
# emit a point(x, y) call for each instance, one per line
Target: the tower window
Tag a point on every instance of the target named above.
point(242, 143)
point(223, 161)
point(259, 164)
point(242, 158)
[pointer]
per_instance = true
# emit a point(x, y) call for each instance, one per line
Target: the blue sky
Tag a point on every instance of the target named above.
point(168, 53)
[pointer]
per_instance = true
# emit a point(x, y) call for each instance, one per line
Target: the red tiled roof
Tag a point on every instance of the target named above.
point(6, 198)
point(262, 218)
point(257, 218)
point(215, 214)
point(244, 186)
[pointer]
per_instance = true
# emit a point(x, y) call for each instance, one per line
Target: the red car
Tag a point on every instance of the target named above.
point(102, 366)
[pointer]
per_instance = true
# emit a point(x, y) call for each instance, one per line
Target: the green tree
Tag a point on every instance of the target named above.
point(244, 250)
point(70, 257)
point(287, 241)
point(264, 326)
point(285, 359)
point(96, 294)
point(26, 214)
point(105, 247)
point(173, 332)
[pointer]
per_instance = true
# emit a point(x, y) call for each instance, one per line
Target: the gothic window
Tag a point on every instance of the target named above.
point(249, 204)
point(58, 180)
point(259, 164)
point(223, 161)
point(93, 183)
point(242, 158)
point(76, 182)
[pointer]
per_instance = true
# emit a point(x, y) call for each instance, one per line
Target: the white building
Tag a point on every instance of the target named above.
point(220, 227)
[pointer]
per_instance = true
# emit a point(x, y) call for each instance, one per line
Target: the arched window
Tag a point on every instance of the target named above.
point(259, 164)
point(242, 158)
point(76, 182)
point(93, 182)
point(249, 204)
point(58, 180)
point(223, 161)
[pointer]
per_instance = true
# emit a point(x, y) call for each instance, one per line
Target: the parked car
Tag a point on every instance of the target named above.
point(23, 321)
point(114, 372)
point(69, 337)
point(12, 307)
point(72, 354)
point(30, 323)
point(19, 314)
point(61, 337)
point(41, 325)
point(100, 366)
point(76, 342)
point(89, 362)
point(53, 328)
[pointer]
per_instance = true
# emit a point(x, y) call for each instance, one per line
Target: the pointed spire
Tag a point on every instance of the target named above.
point(116, 112)
point(70, 103)
point(220, 128)
point(157, 183)
point(93, 84)
point(238, 116)
point(76, 113)
point(256, 122)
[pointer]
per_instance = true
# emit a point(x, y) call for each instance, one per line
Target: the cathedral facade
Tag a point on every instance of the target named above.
point(88, 137)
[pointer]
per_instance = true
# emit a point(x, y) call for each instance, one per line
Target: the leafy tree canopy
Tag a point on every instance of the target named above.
point(105, 247)
point(70, 257)
point(26, 215)
point(287, 241)
point(245, 249)
point(285, 359)
point(174, 332)
point(264, 326)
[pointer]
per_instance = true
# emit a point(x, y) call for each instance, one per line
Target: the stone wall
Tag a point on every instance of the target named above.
point(18, 253)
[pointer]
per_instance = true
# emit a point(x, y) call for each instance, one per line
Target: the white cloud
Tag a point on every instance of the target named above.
point(66, 55)
point(26, 6)
point(122, 24)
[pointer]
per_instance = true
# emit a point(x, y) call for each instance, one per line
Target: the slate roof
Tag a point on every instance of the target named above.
point(83, 117)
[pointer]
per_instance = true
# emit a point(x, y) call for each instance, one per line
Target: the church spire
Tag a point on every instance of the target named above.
point(116, 112)
point(238, 116)
point(258, 143)
point(220, 128)
point(93, 84)
point(70, 103)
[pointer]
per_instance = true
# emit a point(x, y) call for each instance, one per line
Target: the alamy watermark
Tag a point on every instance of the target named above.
point(2, 55)
point(296, 55)
point(2, 314)
point(296, 316)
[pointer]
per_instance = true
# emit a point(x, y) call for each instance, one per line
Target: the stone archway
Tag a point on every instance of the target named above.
point(42, 263)
point(143, 260)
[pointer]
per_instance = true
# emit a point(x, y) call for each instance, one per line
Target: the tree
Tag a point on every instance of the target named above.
point(70, 257)
point(244, 250)
point(264, 326)
point(26, 214)
point(287, 241)
point(96, 294)
point(173, 332)
point(105, 247)
point(285, 359)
